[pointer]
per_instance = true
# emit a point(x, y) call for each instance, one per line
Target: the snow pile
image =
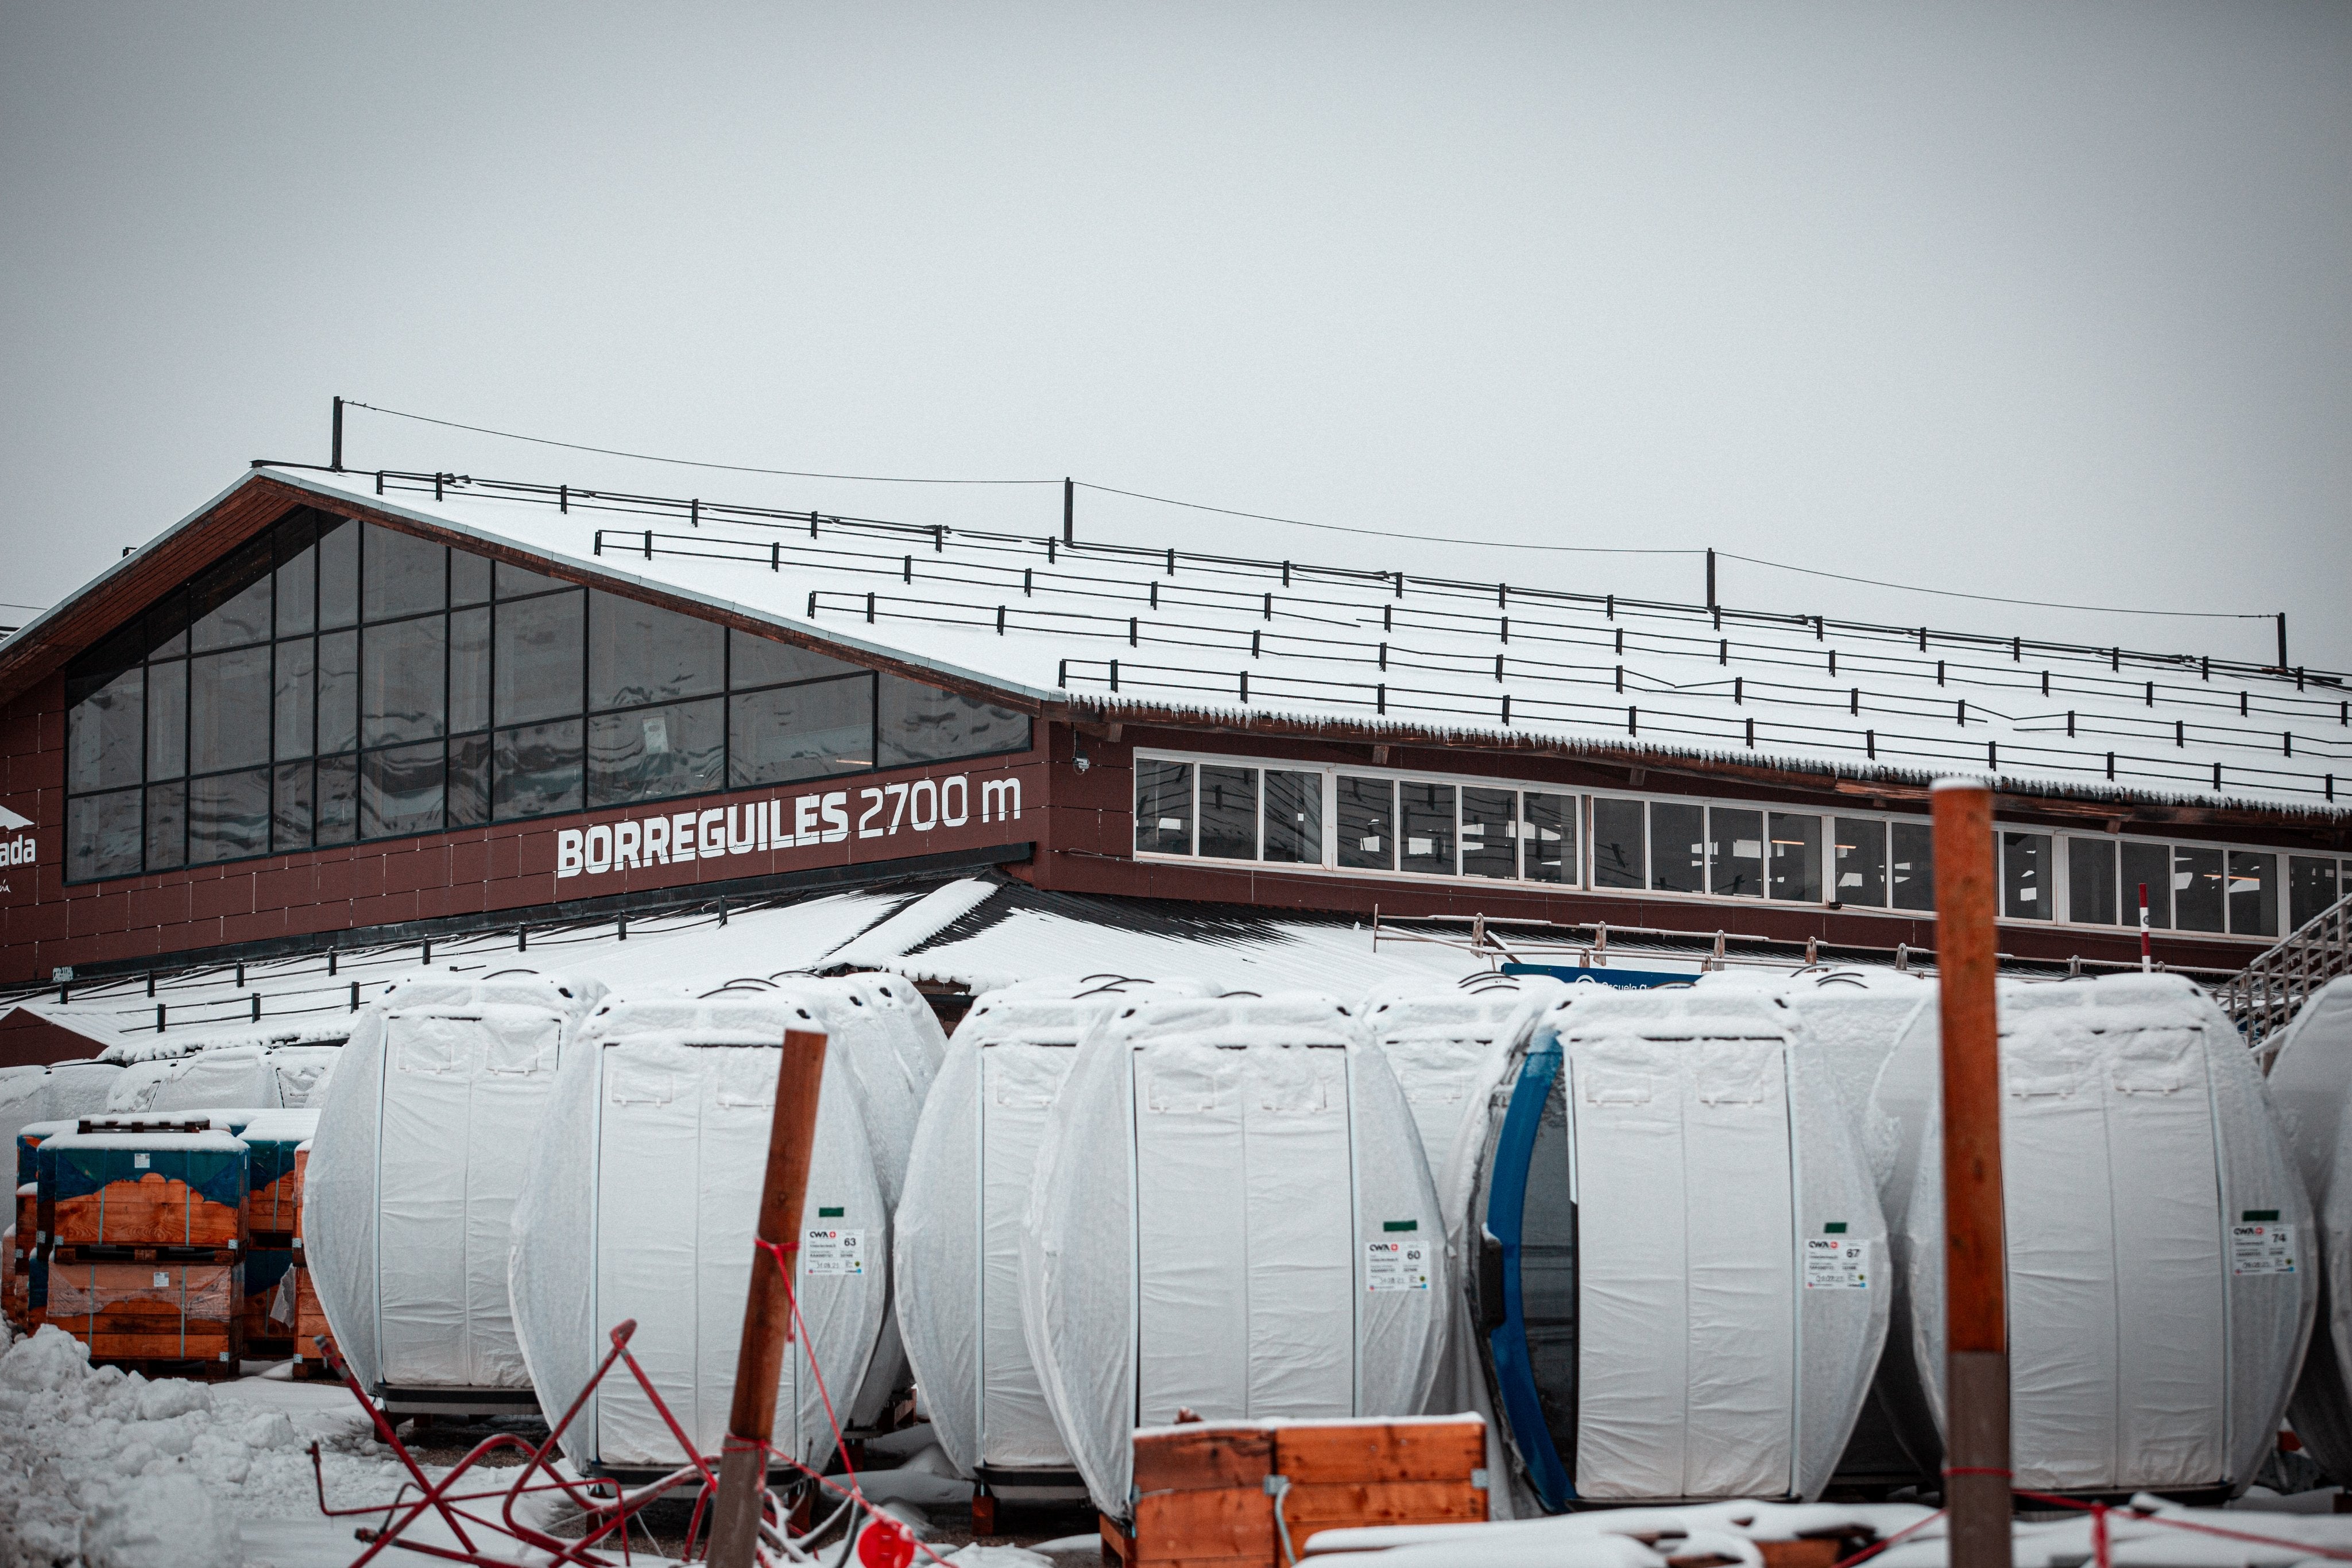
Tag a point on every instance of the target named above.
point(109, 1471)
point(1651, 1537)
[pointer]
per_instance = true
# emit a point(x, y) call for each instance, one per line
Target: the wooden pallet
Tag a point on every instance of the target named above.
point(153, 1367)
point(67, 1254)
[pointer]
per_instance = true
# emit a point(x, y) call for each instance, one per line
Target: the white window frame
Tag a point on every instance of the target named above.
point(2059, 871)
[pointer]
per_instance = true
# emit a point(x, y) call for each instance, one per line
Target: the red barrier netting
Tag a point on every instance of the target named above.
point(882, 1542)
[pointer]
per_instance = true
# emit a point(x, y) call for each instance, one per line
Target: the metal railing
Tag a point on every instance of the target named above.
point(2261, 997)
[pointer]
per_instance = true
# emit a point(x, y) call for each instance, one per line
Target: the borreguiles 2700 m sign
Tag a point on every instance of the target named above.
point(759, 827)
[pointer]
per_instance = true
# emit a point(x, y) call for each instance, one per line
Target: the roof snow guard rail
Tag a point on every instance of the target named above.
point(1139, 630)
point(694, 511)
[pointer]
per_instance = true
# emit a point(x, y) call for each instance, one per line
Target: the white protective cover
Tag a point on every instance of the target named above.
point(1436, 1037)
point(890, 1041)
point(2150, 1347)
point(956, 1244)
point(2310, 1079)
point(303, 1073)
point(417, 1160)
point(641, 1201)
point(79, 1089)
point(1710, 1153)
point(23, 1100)
point(1853, 1018)
point(1214, 1176)
point(228, 1075)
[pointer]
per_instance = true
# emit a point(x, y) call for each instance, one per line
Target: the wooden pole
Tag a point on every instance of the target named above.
point(1976, 1281)
point(767, 1311)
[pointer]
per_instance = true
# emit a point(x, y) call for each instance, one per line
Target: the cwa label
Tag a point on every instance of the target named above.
point(713, 832)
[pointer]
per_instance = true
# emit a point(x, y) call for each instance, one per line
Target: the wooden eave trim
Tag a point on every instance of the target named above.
point(261, 500)
point(245, 512)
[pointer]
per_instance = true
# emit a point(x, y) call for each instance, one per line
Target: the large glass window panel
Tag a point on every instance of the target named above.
point(339, 572)
point(2149, 866)
point(535, 769)
point(1735, 852)
point(1677, 847)
point(469, 578)
point(539, 658)
point(229, 816)
point(166, 626)
point(1490, 832)
point(1795, 863)
point(290, 808)
point(229, 605)
point(470, 670)
point(764, 662)
point(106, 729)
point(167, 826)
point(916, 723)
point(294, 697)
point(1294, 817)
point(641, 654)
point(1620, 854)
point(339, 799)
point(2196, 889)
point(1366, 821)
point(167, 720)
point(2091, 881)
point(339, 692)
point(102, 835)
point(1911, 865)
point(514, 581)
point(2026, 885)
point(401, 680)
point(298, 574)
point(1229, 813)
point(2254, 893)
point(1426, 826)
point(1163, 806)
point(2310, 889)
point(801, 732)
point(1859, 862)
point(228, 709)
point(654, 753)
point(401, 790)
point(469, 781)
point(1547, 837)
point(403, 575)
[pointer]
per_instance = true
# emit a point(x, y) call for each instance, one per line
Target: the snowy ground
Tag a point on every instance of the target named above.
point(99, 1469)
point(104, 1469)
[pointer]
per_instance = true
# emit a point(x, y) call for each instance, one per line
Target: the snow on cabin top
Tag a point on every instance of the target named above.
point(1155, 633)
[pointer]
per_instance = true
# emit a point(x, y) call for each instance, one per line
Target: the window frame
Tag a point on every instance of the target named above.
point(2058, 870)
point(299, 536)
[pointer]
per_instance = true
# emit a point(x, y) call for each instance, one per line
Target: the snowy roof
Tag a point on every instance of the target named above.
point(1166, 633)
point(975, 932)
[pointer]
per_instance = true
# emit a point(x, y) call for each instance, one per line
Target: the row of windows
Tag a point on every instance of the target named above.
point(1442, 828)
point(340, 681)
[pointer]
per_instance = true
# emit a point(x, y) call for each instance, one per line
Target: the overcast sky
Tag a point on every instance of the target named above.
point(2049, 302)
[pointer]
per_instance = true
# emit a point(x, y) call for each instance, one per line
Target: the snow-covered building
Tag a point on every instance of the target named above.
point(332, 727)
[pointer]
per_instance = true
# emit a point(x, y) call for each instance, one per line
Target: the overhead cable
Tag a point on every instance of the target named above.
point(1320, 527)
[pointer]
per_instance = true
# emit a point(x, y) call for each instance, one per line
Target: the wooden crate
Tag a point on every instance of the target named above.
point(1203, 1501)
point(154, 1310)
point(266, 1268)
point(154, 1210)
point(273, 1202)
point(309, 1321)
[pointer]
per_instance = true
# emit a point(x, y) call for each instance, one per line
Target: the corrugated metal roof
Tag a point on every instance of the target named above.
point(1121, 629)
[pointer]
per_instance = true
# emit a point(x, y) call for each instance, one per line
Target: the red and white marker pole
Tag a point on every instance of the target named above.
point(2146, 962)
